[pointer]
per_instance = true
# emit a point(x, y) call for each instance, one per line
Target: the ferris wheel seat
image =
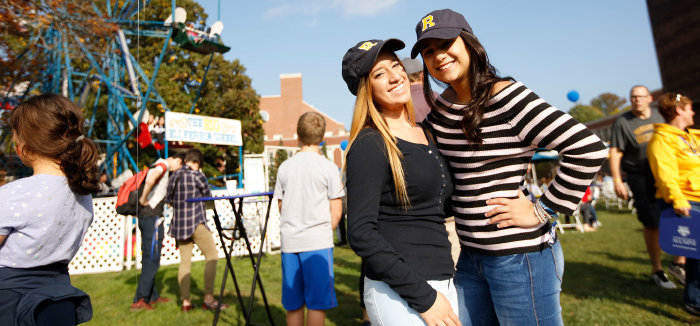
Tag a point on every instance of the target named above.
point(196, 42)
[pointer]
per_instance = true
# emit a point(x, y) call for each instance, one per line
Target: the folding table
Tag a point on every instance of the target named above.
point(237, 206)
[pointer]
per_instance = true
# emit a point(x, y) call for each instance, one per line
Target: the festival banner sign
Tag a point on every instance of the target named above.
point(202, 129)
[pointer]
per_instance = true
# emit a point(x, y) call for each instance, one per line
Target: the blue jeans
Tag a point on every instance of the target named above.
point(151, 240)
point(520, 289)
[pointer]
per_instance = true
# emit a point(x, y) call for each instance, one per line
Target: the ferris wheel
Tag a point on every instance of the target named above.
point(107, 80)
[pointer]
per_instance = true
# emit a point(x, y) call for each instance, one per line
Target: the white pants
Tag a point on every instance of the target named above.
point(386, 308)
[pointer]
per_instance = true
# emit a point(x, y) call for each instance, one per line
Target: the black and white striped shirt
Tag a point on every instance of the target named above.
point(516, 123)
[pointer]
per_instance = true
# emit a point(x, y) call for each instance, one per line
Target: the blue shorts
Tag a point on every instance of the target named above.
point(307, 279)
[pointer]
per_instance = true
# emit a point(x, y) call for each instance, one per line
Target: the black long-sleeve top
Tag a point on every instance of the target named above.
point(403, 248)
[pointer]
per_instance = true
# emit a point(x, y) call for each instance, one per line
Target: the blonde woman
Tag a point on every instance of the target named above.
point(397, 185)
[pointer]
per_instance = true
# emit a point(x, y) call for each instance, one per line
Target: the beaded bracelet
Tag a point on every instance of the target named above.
point(544, 213)
point(548, 210)
point(539, 216)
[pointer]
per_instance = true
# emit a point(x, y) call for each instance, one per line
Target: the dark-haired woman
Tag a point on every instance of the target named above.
point(488, 128)
point(43, 218)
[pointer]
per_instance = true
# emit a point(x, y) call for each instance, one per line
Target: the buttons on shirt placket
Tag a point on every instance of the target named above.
point(442, 169)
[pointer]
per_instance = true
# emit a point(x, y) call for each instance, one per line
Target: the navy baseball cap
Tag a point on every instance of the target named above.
point(441, 24)
point(359, 59)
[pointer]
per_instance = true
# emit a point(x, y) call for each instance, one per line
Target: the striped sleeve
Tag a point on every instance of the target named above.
point(582, 152)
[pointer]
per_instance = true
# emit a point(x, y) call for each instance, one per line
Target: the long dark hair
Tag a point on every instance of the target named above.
point(51, 126)
point(482, 76)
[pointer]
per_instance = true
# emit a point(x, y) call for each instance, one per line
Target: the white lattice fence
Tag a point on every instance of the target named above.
point(105, 247)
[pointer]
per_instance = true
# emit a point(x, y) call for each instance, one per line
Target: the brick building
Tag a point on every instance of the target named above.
point(281, 113)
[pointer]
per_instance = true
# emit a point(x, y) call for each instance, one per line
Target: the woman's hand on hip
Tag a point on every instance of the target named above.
point(441, 313)
point(512, 212)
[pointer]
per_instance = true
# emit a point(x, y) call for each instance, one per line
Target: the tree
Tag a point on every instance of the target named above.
point(227, 92)
point(280, 156)
point(22, 23)
point(608, 103)
point(585, 113)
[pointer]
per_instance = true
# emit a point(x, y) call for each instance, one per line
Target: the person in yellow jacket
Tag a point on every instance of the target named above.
point(674, 158)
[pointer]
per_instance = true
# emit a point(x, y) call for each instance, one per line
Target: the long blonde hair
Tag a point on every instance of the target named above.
point(367, 115)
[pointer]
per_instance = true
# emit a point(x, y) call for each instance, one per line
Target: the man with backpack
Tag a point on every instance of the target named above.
point(150, 209)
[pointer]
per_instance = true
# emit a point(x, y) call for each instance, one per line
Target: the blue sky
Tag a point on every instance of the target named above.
point(553, 47)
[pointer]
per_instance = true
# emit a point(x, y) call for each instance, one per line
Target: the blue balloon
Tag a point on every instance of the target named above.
point(572, 96)
point(344, 144)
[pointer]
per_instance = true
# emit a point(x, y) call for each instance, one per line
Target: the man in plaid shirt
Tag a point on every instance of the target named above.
point(189, 227)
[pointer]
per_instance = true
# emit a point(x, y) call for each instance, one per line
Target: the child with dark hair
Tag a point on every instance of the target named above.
point(189, 227)
point(44, 217)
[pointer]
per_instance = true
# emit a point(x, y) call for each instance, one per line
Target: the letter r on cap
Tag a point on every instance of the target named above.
point(367, 45)
point(428, 22)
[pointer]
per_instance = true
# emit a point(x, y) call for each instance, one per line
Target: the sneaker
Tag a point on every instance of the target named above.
point(159, 301)
point(213, 305)
point(678, 271)
point(692, 310)
point(141, 305)
point(659, 277)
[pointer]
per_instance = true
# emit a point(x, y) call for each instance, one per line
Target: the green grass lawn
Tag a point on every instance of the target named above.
point(606, 282)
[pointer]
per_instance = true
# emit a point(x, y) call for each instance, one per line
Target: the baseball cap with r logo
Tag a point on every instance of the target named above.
point(441, 24)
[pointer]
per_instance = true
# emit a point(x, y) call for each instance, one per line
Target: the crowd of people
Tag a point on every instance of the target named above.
point(421, 166)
